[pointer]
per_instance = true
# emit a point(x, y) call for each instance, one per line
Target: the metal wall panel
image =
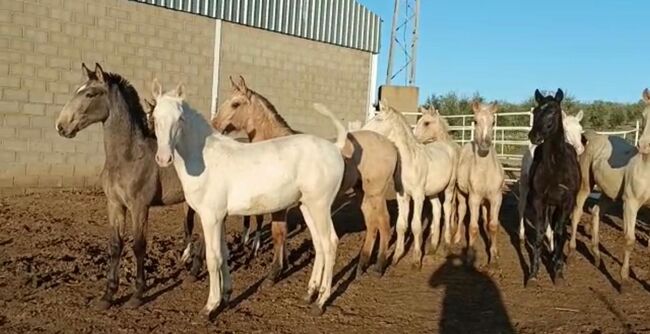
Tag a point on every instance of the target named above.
point(340, 22)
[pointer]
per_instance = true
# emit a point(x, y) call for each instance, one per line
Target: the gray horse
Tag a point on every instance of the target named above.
point(131, 179)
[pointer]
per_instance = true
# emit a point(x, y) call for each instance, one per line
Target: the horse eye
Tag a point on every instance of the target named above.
point(91, 95)
point(236, 104)
point(427, 123)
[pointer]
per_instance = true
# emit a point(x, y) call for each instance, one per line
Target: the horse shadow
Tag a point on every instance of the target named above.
point(472, 302)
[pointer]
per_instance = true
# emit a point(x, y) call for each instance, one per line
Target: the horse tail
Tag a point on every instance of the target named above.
point(341, 131)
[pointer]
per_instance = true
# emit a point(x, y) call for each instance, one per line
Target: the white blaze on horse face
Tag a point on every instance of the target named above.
point(81, 88)
point(167, 116)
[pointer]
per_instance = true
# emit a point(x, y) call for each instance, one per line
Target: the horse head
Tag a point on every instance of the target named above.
point(547, 117)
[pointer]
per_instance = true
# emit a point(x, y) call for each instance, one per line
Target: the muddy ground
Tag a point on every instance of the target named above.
point(53, 259)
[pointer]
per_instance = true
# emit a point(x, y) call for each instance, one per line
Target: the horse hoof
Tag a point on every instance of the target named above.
point(308, 299)
point(625, 287)
point(416, 266)
point(376, 272)
point(205, 315)
point(134, 302)
point(559, 281)
point(532, 282)
point(103, 304)
point(359, 272)
point(190, 279)
point(316, 310)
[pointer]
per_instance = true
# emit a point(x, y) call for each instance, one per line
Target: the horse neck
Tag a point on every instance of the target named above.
point(556, 144)
point(405, 141)
point(266, 124)
point(122, 136)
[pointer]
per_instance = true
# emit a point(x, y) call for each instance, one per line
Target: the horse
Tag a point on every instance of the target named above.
point(573, 136)
point(427, 171)
point(480, 180)
point(432, 127)
point(636, 190)
point(554, 180)
point(370, 165)
point(603, 163)
point(221, 176)
point(131, 180)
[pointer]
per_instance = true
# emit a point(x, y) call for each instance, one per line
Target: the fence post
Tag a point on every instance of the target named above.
point(463, 132)
point(471, 133)
point(636, 133)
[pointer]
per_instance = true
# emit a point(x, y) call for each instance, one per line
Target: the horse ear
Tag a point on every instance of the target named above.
point(151, 106)
point(539, 98)
point(580, 115)
point(180, 91)
point(156, 88)
point(242, 83)
point(233, 84)
point(646, 96)
point(99, 72)
point(559, 95)
point(86, 71)
point(476, 107)
point(494, 107)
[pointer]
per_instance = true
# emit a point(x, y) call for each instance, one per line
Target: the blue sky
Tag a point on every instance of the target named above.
point(593, 49)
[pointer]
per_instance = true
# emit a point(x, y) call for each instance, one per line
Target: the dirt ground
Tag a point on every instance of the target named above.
point(53, 255)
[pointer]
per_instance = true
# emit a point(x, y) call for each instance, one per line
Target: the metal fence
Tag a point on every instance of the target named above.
point(341, 22)
point(510, 141)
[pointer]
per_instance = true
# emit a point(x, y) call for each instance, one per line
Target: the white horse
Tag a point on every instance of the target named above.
point(221, 177)
point(480, 179)
point(573, 134)
point(426, 171)
point(636, 190)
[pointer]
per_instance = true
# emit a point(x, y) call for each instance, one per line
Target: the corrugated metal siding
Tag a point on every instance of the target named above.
point(339, 22)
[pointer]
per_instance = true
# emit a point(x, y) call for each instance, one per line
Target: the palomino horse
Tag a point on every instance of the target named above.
point(480, 179)
point(636, 190)
point(131, 179)
point(426, 171)
point(432, 127)
point(603, 163)
point(554, 180)
point(370, 163)
point(221, 177)
point(573, 136)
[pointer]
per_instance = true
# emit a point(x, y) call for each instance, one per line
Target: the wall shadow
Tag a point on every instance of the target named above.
point(472, 302)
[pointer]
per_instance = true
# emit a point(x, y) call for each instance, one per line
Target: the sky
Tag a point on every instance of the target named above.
point(505, 49)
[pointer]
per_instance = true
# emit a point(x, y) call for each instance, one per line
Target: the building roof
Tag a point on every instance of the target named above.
point(340, 22)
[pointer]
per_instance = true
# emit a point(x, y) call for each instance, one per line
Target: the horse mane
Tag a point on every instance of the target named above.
point(271, 115)
point(402, 125)
point(444, 128)
point(134, 109)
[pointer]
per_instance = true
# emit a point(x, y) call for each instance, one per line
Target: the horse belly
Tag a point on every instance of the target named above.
point(263, 196)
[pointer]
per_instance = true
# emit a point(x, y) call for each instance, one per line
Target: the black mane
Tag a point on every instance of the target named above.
point(135, 111)
point(269, 106)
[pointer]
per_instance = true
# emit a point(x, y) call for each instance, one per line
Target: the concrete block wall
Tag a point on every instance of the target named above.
point(293, 73)
point(42, 45)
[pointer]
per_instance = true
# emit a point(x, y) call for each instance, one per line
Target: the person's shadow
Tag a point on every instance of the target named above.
point(472, 302)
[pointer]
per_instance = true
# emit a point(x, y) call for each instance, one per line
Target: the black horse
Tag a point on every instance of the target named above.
point(554, 180)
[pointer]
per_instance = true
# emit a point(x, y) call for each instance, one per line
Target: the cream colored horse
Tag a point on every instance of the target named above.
point(222, 177)
point(480, 179)
point(427, 171)
point(573, 134)
point(636, 190)
point(432, 127)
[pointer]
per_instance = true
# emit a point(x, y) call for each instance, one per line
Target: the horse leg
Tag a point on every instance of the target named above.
point(560, 239)
point(540, 225)
point(493, 226)
point(583, 193)
point(416, 229)
point(213, 235)
point(188, 227)
point(383, 224)
point(521, 207)
point(403, 202)
point(317, 270)
point(279, 233)
point(257, 239)
point(246, 221)
point(370, 216)
point(139, 217)
point(322, 220)
point(474, 205)
point(196, 255)
point(435, 223)
point(462, 210)
point(448, 209)
point(116, 218)
point(630, 209)
point(225, 269)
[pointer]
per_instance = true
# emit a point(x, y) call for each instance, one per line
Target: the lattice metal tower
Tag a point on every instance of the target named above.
point(403, 41)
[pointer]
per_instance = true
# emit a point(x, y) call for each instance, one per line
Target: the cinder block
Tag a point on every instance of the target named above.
point(53, 157)
point(12, 169)
point(11, 82)
point(62, 169)
point(29, 134)
point(46, 49)
point(40, 97)
point(39, 146)
point(6, 183)
point(28, 157)
point(48, 24)
point(7, 156)
point(7, 132)
point(25, 181)
point(38, 168)
point(50, 181)
point(10, 29)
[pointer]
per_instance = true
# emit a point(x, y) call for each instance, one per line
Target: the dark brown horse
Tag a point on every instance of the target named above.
point(131, 179)
point(554, 180)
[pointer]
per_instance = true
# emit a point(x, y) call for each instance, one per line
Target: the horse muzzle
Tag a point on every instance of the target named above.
point(64, 131)
point(535, 139)
point(164, 158)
